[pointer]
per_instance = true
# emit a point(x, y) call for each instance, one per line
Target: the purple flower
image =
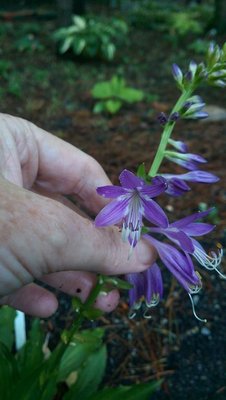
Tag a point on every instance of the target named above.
point(179, 145)
point(182, 233)
point(179, 264)
point(192, 108)
point(147, 286)
point(132, 201)
point(176, 185)
point(178, 75)
point(187, 160)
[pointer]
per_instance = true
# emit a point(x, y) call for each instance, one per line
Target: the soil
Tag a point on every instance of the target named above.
point(55, 93)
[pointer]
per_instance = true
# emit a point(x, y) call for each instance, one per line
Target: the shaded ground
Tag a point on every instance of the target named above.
point(54, 93)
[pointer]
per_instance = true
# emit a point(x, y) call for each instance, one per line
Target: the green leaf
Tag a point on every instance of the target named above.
point(66, 44)
point(99, 107)
point(91, 313)
point(82, 345)
point(7, 316)
point(109, 51)
point(131, 95)
point(31, 353)
point(136, 392)
point(8, 372)
point(79, 45)
point(113, 106)
point(141, 171)
point(102, 90)
point(89, 376)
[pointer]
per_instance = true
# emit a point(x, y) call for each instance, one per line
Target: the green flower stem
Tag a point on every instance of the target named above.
point(92, 297)
point(167, 133)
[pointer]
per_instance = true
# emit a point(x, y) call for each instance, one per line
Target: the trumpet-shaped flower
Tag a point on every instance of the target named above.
point(147, 286)
point(176, 185)
point(182, 233)
point(131, 202)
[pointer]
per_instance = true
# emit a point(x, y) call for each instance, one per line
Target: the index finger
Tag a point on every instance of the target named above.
point(65, 169)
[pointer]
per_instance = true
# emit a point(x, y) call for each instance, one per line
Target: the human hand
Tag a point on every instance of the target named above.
point(42, 237)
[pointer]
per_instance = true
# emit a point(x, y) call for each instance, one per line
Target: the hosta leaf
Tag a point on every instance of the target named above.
point(113, 106)
point(141, 391)
point(79, 350)
point(7, 316)
point(89, 376)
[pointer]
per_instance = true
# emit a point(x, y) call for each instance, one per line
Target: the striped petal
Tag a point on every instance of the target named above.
point(112, 213)
point(111, 191)
point(154, 213)
point(130, 181)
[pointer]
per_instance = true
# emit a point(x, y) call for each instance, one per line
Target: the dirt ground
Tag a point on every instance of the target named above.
point(54, 93)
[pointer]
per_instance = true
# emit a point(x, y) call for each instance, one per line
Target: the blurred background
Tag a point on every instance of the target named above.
point(97, 74)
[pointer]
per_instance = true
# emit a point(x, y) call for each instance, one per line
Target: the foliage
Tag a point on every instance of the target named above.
point(28, 43)
point(75, 369)
point(11, 79)
point(172, 18)
point(91, 37)
point(113, 93)
point(199, 46)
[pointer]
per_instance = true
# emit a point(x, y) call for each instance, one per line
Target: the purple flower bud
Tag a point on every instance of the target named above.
point(179, 145)
point(174, 116)
point(177, 74)
point(162, 118)
point(193, 68)
point(189, 76)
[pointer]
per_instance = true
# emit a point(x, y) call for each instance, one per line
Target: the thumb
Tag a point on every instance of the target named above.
point(39, 235)
point(72, 242)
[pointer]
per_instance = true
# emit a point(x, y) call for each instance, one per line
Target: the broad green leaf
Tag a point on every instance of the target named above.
point(79, 45)
point(66, 44)
point(80, 348)
point(141, 391)
point(89, 376)
point(113, 106)
point(31, 353)
point(99, 107)
point(7, 316)
point(131, 95)
point(80, 22)
point(102, 90)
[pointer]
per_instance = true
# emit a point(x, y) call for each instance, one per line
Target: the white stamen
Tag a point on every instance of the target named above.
point(210, 262)
point(193, 310)
point(154, 301)
point(146, 315)
point(133, 310)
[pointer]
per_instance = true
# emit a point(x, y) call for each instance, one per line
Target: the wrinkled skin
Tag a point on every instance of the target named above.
point(43, 236)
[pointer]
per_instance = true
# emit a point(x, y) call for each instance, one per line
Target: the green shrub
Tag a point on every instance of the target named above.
point(112, 94)
point(73, 370)
point(91, 37)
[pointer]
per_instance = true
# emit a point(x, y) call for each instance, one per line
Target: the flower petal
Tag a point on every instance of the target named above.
point(181, 239)
point(198, 229)
point(111, 191)
point(129, 180)
point(153, 190)
point(135, 294)
point(178, 263)
point(112, 213)
point(176, 187)
point(183, 222)
point(154, 213)
point(153, 285)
